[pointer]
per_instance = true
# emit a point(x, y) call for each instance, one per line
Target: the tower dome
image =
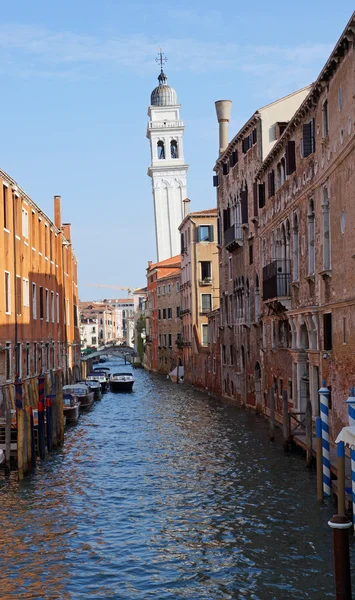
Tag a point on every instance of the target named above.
point(163, 95)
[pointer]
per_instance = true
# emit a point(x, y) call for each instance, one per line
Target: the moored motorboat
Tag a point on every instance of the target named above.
point(70, 408)
point(82, 392)
point(95, 386)
point(99, 376)
point(121, 382)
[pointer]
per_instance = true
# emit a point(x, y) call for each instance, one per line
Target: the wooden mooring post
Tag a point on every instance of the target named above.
point(285, 421)
point(309, 433)
point(272, 413)
point(340, 526)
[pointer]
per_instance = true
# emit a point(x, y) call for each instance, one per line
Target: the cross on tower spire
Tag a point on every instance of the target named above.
point(161, 59)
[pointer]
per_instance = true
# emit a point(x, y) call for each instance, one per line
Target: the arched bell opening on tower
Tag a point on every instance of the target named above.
point(161, 150)
point(174, 149)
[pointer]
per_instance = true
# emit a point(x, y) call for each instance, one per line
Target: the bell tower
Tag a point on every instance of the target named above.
point(168, 170)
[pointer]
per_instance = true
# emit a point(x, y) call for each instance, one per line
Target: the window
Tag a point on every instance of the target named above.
point(326, 230)
point(205, 233)
point(311, 249)
point(47, 305)
point(169, 288)
point(161, 150)
point(57, 308)
point(7, 293)
point(164, 313)
point(51, 244)
point(295, 248)
point(290, 157)
point(75, 315)
point(170, 313)
point(18, 295)
point(204, 334)
point(33, 229)
point(173, 149)
point(231, 354)
point(24, 223)
point(28, 361)
point(206, 271)
point(163, 290)
point(206, 302)
point(34, 301)
point(177, 312)
point(250, 254)
point(327, 330)
point(158, 290)
point(41, 305)
point(223, 354)
point(40, 246)
point(159, 314)
point(177, 286)
point(261, 194)
point(169, 340)
point(344, 331)
point(325, 119)
point(46, 241)
point(308, 138)
point(6, 206)
point(271, 183)
point(52, 306)
point(257, 298)
point(8, 361)
point(26, 292)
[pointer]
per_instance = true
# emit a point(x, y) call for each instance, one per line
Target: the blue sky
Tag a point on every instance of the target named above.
point(76, 81)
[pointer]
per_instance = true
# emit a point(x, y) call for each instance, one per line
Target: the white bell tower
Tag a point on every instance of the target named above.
point(168, 169)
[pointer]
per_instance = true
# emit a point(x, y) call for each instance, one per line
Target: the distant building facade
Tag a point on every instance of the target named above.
point(168, 321)
point(199, 290)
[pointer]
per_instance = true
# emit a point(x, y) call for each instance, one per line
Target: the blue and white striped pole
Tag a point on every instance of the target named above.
point(324, 412)
point(351, 408)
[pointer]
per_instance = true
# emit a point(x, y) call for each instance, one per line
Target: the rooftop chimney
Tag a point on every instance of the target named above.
point(186, 203)
point(57, 212)
point(66, 231)
point(223, 110)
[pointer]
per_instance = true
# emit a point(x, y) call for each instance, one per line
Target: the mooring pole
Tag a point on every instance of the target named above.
point(272, 413)
point(319, 459)
point(341, 477)
point(49, 423)
point(340, 526)
point(324, 411)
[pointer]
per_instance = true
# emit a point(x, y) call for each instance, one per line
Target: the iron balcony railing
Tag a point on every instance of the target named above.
point(277, 279)
point(233, 237)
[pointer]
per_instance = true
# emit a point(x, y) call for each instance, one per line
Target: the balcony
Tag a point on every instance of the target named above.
point(233, 238)
point(277, 282)
point(206, 281)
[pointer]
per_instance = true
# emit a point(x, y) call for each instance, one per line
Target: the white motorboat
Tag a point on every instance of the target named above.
point(95, 386)
point(81, 392)
point(71, 408)
point(99, 376)
point(121, 382)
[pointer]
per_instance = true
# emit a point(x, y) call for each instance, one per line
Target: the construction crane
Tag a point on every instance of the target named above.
point(111, 287)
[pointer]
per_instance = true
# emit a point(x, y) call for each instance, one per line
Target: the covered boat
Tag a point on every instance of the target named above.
point(121, 382)
point(95, 386)
point(177, 374)
point(82, 392)
point(100, 377)
point(71, 408)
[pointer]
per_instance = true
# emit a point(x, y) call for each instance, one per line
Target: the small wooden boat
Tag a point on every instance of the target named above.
point(121, 382)
point(70, 408)
point(81, 392)
point(99, 376)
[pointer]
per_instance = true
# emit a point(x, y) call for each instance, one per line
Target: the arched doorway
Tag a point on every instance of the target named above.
point(257, 379)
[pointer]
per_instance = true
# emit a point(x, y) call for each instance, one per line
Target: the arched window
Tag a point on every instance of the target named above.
point(161, 150)
point(311, 249)
point(282, 171)
point(173, 149)
point(257, 297)
point(295, 248)
point(326, 230)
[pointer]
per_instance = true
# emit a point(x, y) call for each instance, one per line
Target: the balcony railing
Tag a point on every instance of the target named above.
point(277, 280)
point(233, 237)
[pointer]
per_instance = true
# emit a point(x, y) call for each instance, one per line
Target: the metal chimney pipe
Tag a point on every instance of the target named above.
point(223, 110)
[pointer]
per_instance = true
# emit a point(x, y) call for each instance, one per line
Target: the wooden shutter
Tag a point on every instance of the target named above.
point(261, 188)
point(226, 219)
point(244, 205)
point(290, 157)
point(254, 136)
point(271, 183)
point(219, 233)
point(307, 139)
point(225, 168)
point(255, 198)
point(215, 180)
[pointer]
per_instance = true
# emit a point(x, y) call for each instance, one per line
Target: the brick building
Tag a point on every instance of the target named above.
point(169, 322)
point(286, 249)
point(238, 239)
point(199, 290)
point(155, 272)
point(39, 327)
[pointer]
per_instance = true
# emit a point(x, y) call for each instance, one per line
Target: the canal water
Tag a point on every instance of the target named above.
point(165, 493)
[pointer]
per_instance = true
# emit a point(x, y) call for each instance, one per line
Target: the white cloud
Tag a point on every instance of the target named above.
point(38, 51)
